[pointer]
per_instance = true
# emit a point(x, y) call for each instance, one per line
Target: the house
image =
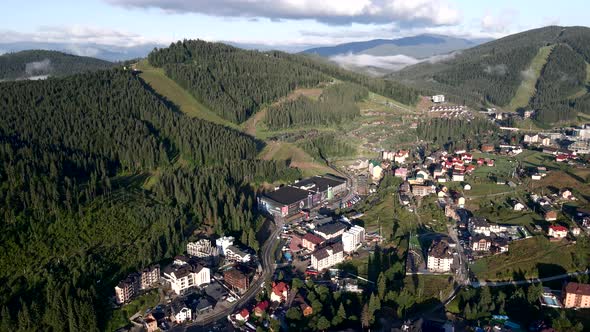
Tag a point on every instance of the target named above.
point(243, 315)
point(531, 138)
point(536, 176)
point(376, 172)
point(423, 174)
point(306, 309)
point(440, 257)
point(441, 179)
point(467, 187)
point(490, 162)
point(401, 172)
point(401, 156)
point(279, 292)
point(480, 243)
point(458, 177)
point(480, 161)
point(576, 295)
point(236, 280)
point(548, 213)
point(404, 199)
point(422, 190)
point(311, 241)
point(518, 206)
point(260, 308)
point(387, 155)
point(499, 245)
point(179, 312)
point(541, 170)
point(576, 231)
point(150, 324)
point(561, 158)
point(461, 202)
point(478, 225)
point(328, 256)
point(438, 172)
point(438, 99)
point(182, 278)
point(353, 238)
point(566, 194)
point(487, 148)
point(557, 231)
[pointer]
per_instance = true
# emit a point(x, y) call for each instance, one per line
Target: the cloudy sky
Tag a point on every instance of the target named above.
point(300, 23)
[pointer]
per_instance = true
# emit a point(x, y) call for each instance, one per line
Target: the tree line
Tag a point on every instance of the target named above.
point(336, 104)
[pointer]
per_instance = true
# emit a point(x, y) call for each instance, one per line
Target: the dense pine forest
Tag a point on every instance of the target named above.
point(236, 83)
point(336, 104)
point(457, 133)
point(32, 63)
point(233, 82)
point(76, 157)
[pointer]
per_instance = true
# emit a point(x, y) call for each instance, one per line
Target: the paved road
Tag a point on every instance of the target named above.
point(477, 284)
point(268, 268)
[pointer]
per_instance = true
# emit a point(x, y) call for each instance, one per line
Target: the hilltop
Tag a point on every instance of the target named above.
point(543, 69)
point(33, 64)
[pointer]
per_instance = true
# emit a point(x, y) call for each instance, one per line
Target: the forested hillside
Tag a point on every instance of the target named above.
point(34, 63)
point(336, 104)
point(233, 82)
point(457, 133)
point(236, 83)
point(490, 74)
point(74, 153)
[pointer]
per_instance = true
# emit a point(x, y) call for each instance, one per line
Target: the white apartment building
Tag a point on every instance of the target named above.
point(327, 257)
point(440, 257)
point(234, 254)
point(223, 243)
point(180, 313)
point(353, 238)
point(186, 276)
point(202, 248)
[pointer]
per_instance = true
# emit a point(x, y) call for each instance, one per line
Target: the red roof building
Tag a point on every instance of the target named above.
point(243, 315)
point(260, 308)
point(279, 292)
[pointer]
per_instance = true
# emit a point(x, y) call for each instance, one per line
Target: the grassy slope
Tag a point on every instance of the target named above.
point(527, 87)
point(583, 90)
point(176, 94)
point(298, 158)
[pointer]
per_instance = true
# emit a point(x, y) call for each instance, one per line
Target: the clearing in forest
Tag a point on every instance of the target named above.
point(526, 90)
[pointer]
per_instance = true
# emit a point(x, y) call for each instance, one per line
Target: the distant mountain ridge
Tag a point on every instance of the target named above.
point(420, 46)
point(34, 64)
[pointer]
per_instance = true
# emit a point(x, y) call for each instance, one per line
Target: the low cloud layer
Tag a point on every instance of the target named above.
point(499, 70)
point(388, 63)
point(335, 12)
point(38, 67)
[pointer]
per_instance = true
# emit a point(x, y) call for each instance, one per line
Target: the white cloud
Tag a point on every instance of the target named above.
point(392, 62)
point(501, 22)
point(337, 12)
point(77, 34)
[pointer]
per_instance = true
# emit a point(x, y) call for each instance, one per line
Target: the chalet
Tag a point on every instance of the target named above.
point(469, 168)
point(487, 148)
point(557, 231)
point(480, 243)
point(518, 206)
point(480, 161)
point(279, 292)
point(549, 214)
point(561, 158)
point(467, 187)
point(401, 156)
point(566, 194)
point(179, 312)
point(490, 162)
point(243, 315)
point(401, 172)
point(260, 308)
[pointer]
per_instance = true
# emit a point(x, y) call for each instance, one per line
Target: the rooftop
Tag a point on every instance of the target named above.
point(288, 195)
point(577, 288)
point(325, 252)
point(313, 238)
point(440, 249)
point(319, 183)
point(331, 228)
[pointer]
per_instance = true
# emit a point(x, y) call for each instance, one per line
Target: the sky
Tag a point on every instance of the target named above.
point(276, 23)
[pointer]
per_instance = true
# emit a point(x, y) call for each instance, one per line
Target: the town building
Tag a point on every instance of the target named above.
point(549, 214)
point(236, 280)
point(478, 225)
point(311, 241)
point(438, 99)
point(353, 238)
point(243, 315)
point(330, 230)
point(127, 289)
point(576, 295)
point(557, 231)
point(290, 200)
point(150, 277)
point(150, 324)
point(480, 243)
point(203, 248)
point(260, 308)
point(440, 257)
point(328, 256)
point(223, 243)
point(423, 190)
point(181, 278)
point(234, 254)
point(401, 173)
point(179, 312)
point(279, 292)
